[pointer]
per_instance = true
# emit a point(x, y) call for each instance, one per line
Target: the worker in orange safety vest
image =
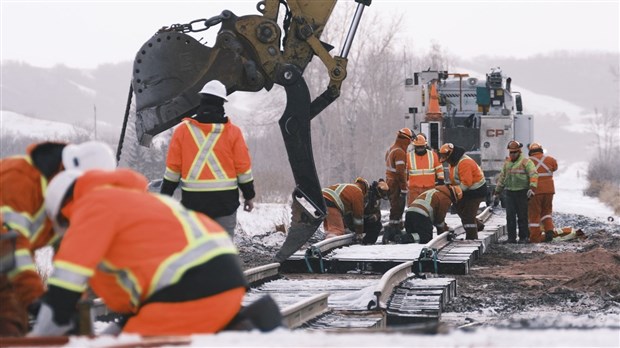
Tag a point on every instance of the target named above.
point(209, 157)
point(25, 227)
point(427, 211)
point(169, 270)
point(466, 173)
point(423, 169)
point(345, 208)
point(540, 206)
point(396, 177)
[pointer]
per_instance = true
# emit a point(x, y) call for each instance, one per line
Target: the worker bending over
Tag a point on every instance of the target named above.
point(466, 173)
point(345, 208)
point(427, 211)
point(26, 228)
point(372, 211)
point(171, 270)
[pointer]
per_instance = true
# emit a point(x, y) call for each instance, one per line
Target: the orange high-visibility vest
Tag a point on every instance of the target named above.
point(128, 244)
point(467, 174)
point(208, 157)
point(545, 166)
point(424, 170)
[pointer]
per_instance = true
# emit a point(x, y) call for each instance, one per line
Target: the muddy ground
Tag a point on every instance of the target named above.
point(549, 285)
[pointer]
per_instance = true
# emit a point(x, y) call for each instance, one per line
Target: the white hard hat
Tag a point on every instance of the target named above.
point(56, 192)
point(88, 155)
point(216, 88)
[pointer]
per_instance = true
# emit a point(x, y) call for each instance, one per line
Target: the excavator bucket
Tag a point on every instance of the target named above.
point(171, 67)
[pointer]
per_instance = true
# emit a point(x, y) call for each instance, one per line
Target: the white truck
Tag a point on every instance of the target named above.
point(480, 115)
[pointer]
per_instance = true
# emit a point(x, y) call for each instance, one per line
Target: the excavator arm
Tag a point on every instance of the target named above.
point(249, 54)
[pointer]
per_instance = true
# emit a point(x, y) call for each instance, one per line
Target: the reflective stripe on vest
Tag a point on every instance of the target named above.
point(388, 165)
point(70, 276)
point(414, 165)
point(126, 279)
point(171, 175)
point(29, 227)
point(23, 262)
point(540, 163)
point(457, 180)
point(206, 157)
point(335, 195)
point(424, 204)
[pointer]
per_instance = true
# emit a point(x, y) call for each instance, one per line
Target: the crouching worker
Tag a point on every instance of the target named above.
point(372, 211)
point(426, 211)
point(172, 271)
point(345, 208)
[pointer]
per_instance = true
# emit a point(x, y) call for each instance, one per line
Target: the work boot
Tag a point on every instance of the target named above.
point(480, 225)
point(471, 235)
point(548, 236)
point(523, 241)
point(388, 233)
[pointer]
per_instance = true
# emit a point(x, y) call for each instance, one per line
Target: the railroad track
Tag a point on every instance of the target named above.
point(336, 284)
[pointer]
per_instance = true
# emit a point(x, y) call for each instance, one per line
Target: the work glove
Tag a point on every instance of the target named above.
point(495, 200)
point(358, 238)
point(530, 193)
point(439, 182)
point(248, 205)
point(46, 326)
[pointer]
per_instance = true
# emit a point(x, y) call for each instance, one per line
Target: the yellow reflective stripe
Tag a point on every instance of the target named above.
point(336, 197)
point(192, 227)
point(203, 250)
point(23, 262)
point(70, 276)
point(205, 155)
point(245, 177)
point(171, 175)
point(416, 172)
point(126, 279)
point(37, 223)
point(426, 204)
point(457, 179)
point(209, 185)
point(21, 222)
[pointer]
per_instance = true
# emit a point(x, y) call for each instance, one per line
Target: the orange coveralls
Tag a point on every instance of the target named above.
point(469, 176)
point(423, 172)
point(343, 200)
point(396, 178)
point(21, 202)
point(175, 271)
point(540, 206)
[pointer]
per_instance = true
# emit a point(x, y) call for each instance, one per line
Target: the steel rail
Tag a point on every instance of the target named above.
point(301, 312)
point(383, 290)
point(260, 273)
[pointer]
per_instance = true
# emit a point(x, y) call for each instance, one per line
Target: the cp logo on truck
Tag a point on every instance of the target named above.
point(495, 132)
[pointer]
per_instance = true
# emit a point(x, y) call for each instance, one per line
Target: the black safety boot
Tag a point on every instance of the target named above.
point(548, 236)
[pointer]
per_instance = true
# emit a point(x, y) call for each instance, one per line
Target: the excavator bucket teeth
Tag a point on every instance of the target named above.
point(305, 220)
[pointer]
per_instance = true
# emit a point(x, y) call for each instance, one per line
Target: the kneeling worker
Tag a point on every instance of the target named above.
point(172, 271)
point(426, 211)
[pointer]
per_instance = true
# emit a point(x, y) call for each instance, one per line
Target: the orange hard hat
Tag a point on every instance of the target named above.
point(364, 182)
point(535, 146)
point(405, 133)
point(445, 151)
point(420, 140)
point(514, 146)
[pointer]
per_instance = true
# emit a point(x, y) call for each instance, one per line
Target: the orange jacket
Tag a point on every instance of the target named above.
point(425, 170)
point(433, 204)
point(21, 201)
point(349, 199)
point(129, 244)
point(545, 166)
point(467, 174)
point(396, 164)
point(208, 157)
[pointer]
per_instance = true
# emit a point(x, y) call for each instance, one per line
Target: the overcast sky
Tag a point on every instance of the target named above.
point(84, 34)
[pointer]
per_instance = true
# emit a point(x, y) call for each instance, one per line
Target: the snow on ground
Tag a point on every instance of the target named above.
point(570, 182)
point(37, 128)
